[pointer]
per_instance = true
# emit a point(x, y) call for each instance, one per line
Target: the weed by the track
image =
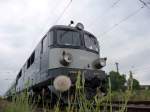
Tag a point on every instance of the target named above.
point(100, 102)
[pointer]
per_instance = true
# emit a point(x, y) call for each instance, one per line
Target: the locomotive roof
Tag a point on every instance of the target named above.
point(68, 27)
point(62, 26)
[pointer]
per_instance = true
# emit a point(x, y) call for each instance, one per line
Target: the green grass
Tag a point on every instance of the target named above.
point(140, 95)
point(20, 103)
point(136, 95)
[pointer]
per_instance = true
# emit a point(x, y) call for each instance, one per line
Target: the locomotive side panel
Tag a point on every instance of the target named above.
point(33, 76)
point(35, 68)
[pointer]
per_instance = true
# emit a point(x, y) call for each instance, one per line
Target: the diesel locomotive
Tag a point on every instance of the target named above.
point(55, 62)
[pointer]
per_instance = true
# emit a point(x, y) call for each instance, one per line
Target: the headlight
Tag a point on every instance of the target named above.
point(103, 62)
point(66, 59)
point(99, 63)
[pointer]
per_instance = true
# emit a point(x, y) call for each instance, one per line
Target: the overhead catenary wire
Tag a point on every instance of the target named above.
point(60, 16)
point(142, 68)
point(123, 20)
point(63, 12)
point(54, 7)
point(7, 79)
point(7, 71)
point(45, 24)
point(145, 4)
point(104, 13)
point(140, 72)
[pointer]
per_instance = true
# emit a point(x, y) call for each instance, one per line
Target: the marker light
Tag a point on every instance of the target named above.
point(80, 26)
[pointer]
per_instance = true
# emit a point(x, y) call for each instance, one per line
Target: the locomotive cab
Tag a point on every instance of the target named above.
point(73, 49)
point(64, 39)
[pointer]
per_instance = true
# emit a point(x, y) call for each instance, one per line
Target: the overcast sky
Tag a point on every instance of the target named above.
point(24, 22)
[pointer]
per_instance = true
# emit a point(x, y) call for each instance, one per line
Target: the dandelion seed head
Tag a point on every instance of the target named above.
point(62, 83)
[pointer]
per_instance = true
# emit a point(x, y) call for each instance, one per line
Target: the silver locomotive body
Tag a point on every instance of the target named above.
point(63, 51)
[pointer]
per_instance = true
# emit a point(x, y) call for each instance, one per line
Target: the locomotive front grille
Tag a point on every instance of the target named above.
point(91, 76)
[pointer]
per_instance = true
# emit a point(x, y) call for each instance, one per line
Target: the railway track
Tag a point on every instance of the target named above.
point(132, 106)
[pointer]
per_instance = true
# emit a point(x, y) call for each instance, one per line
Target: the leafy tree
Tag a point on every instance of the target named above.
point(136, 84)
point(117, 81)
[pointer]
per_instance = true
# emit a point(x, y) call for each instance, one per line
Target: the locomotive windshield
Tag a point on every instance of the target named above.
point(91, 43)
point(73, 38)
point(70, 38)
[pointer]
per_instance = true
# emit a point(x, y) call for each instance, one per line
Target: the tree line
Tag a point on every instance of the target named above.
point(119, 82)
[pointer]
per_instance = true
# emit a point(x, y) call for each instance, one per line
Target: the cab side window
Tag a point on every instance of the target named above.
point(31, 60)
point(18, 76)
point(51, 37)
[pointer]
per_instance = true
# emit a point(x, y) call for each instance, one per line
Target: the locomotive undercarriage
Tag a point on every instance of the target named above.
point(95, 80)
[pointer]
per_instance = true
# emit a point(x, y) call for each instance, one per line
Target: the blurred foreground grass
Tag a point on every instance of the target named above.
point(21, 103)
